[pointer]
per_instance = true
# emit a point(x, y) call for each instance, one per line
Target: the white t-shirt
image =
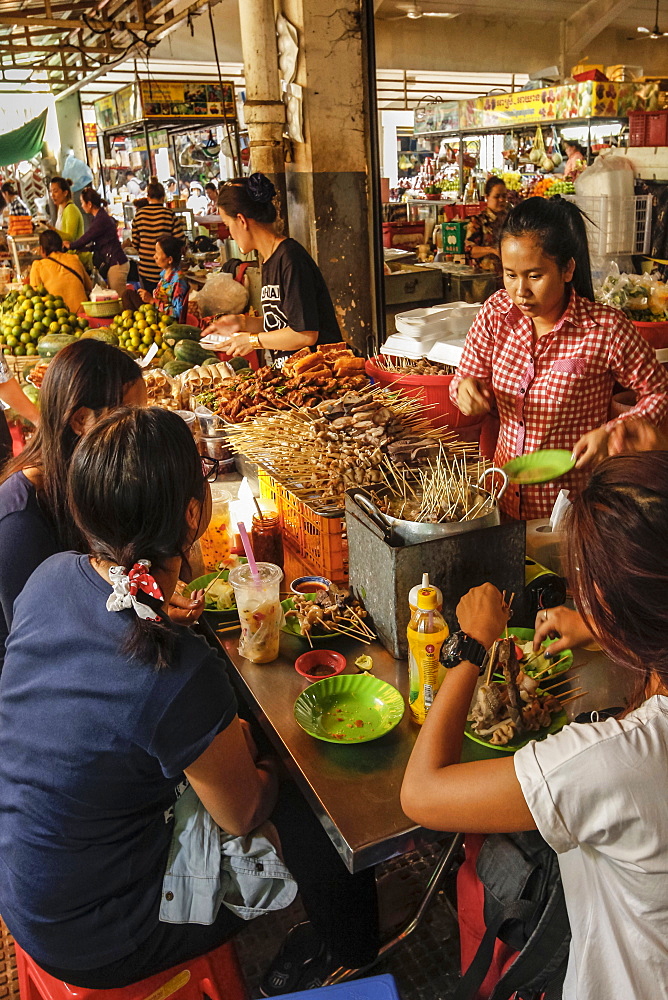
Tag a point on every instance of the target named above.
point(599, 795)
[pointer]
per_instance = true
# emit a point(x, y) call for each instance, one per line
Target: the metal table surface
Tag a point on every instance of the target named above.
point(354, 789)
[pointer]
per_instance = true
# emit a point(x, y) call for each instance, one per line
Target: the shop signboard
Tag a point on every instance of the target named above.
point(170, 99)
point(90, 133)
point(128, 106)
point(590, 99)
point(105, 112)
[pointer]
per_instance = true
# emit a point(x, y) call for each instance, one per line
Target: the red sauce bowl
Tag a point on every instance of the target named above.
point(325, 663)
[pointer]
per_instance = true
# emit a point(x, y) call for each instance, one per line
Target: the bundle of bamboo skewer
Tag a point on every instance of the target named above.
point(320, 452)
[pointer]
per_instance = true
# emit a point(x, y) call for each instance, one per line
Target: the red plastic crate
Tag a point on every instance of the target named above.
point(657, 129)
point(656, 334)
point(403, 235)
point(638, 128)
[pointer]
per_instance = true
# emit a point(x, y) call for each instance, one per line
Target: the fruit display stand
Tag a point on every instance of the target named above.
point(23, 250)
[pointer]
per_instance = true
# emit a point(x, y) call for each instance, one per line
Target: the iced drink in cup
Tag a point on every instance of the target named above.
point(260, 611)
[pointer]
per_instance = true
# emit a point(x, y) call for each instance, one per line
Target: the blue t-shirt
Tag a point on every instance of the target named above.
point(27, 538)
point(93, 746)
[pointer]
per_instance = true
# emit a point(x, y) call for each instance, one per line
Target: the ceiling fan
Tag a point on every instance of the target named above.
point(414, 11)
point(655, 32)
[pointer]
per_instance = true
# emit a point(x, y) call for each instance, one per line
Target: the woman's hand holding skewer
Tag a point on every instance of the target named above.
point(567, 625)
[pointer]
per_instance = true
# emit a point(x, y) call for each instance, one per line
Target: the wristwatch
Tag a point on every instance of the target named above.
point(254, 339)
point(461, 646)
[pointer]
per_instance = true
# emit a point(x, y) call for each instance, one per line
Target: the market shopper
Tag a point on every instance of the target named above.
point(547, 356)
point(82, 383)
point(576, 160)
point(597, 792)
point(62, 274)
point(211, 192)
point(150, 224)
point(69, 220)
point(14, 204)
point(124, 708)
point(483, 230)
point(297, 309)
point(197, 200)
point(170, 295)
point(108, 255)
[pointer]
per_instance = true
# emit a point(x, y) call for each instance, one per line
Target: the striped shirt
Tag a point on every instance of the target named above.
point(551, 391)
point(150, 224)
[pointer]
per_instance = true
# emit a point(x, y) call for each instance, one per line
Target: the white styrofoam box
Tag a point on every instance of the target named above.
point(445, 320)
point(662, 355)
point(401, 346)
point(447, 352)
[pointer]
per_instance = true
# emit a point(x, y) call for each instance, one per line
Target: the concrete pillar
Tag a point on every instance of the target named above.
point(264, 110)
point(68, 114)
point(328, 178)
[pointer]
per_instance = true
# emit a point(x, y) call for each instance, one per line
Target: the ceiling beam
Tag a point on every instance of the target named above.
point(11, 48)
point(67, 24)
point(587, 23)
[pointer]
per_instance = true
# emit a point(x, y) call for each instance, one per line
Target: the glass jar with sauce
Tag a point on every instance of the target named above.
point(267, 538)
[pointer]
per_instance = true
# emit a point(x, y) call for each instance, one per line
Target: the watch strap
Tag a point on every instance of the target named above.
point(466, 648)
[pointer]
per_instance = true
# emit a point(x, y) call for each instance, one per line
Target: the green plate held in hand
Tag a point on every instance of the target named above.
point(350, 708)
point(539, 466)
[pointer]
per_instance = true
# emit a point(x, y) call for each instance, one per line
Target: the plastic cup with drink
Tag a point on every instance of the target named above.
point(260, 612)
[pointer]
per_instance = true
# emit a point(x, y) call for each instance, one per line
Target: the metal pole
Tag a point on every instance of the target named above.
point(375, 199)
point(148, 149)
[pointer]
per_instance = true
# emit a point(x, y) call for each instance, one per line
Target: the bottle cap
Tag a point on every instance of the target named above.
point(413, 595)
point(427, 599)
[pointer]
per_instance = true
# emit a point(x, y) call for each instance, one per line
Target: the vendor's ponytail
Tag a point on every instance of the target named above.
point(253, 197)
point(558, 226)
point(131, 481)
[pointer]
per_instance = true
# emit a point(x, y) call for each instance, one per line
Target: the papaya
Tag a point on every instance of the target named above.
point(49, 345)
point(174, 368)
point(191, 353)
point(180, 331)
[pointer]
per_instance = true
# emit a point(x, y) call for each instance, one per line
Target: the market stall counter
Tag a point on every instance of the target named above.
point(354, 789)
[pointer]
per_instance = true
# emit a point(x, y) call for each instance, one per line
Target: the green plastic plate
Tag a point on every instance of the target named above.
point(539, 466)
point(350, 708)
point(559, 720)
point(525, 634)
point(213, 615)
point(291, 628)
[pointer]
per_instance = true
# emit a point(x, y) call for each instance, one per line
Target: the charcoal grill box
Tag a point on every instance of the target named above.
point(382, 575)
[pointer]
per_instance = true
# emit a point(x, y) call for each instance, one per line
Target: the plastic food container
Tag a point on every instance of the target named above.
point(260, 611)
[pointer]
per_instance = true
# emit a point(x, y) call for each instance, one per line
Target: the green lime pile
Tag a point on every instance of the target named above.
point(136, 331)
point(29, 315)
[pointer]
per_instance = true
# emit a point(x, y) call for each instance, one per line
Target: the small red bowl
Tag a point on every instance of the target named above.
point(325, 663)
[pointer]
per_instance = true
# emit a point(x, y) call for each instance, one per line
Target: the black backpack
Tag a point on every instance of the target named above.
point(524, 908)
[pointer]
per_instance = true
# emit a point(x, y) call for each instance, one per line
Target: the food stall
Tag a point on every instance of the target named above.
point(166, 129)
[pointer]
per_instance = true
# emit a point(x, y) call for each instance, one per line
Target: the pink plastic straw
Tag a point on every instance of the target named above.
point(248, 549)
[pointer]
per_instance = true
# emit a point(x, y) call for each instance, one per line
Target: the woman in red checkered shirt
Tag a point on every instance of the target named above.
point(546, 356)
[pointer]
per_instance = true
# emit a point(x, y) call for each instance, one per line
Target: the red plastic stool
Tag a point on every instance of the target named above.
point(216, 975)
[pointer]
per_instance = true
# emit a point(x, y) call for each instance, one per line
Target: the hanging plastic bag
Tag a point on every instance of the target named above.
point(78, 172)
point(610, 176)
point(221, 294)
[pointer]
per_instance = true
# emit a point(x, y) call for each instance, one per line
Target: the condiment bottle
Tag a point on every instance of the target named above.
point(413, 595)
point(267, 538)
point(426, 632)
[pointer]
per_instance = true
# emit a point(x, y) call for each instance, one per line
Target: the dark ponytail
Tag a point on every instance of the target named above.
point(252, 197)
point(558, 226)
point(131, 480)
point(92, 197)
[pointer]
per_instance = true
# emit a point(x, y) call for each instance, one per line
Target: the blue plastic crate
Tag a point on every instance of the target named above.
point(371, 988)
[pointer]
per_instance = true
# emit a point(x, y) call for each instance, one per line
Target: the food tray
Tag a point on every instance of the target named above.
point(317, 536)
point(103, 310)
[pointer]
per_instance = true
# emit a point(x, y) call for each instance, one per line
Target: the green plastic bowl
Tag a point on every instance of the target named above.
point(350, 708)
point(214, 618)
point(539, 466)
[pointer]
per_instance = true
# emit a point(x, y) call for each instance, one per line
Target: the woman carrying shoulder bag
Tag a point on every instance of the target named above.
point(108, 254)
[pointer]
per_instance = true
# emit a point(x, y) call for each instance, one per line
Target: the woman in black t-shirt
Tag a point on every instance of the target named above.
point(297, 309)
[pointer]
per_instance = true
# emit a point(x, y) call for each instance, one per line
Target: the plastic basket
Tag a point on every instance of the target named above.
point(637, 128)
point(103, 310)
point(656, 334)
point(319, 542)
point(616, 225)
point(433, 390)
point(657, 128)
